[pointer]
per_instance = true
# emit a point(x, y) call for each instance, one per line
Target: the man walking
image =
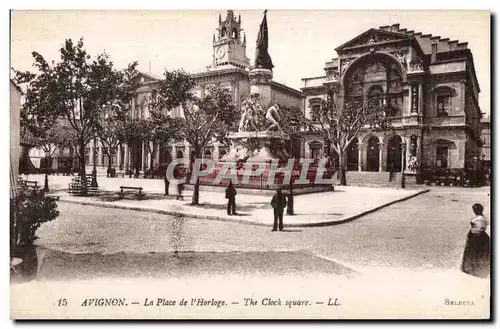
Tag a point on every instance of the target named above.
point(231, 199)
point(278, 203)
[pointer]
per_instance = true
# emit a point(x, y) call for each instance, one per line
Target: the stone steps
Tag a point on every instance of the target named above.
point(376, 179)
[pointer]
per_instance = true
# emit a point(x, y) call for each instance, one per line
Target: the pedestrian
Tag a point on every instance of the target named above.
point(278, 203)
point(289, 204)
point(180, 185)
point(231, 199)
point(167, 182)
point(476, 257)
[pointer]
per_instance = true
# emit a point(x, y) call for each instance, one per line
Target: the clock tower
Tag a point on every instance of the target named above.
point(229, 44)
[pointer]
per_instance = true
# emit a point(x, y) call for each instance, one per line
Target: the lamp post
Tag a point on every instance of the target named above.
point(403, 165)
point(94, 170)
point(46, 182)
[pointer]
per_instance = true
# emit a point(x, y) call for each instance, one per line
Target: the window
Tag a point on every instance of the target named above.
point(375, 96)
point(395, 104)
point(114, 155)
point(442, 157)
point(104, 156)
point(315, 108)
point(443, 105)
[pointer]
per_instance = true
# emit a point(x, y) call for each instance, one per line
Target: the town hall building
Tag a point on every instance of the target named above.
point(229, 68)
point(430, 84)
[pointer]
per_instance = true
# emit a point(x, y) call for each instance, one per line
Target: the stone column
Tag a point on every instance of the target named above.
point(157, 156)
point(382, 155)
point(142, 157)
point(407, 110)
point(91, 155)
point(99, 155)
point(307, 151)
point(420, 99)
point(118, 156)
point(406, 154)
point(126, 164)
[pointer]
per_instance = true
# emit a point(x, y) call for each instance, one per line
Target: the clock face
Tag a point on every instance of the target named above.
point(221, 52)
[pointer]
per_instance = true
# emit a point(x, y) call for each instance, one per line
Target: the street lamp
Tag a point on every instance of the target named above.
point(403, 165)
point(94, 170)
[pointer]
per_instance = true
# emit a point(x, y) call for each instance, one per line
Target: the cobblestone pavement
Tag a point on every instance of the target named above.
point(423, 233)
point(399, 262)
point(344, 203)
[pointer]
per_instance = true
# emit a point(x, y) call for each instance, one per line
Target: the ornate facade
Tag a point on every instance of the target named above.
point(230, 68)
point(432, 89)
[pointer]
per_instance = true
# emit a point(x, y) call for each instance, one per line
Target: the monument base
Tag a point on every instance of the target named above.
point(256, 147)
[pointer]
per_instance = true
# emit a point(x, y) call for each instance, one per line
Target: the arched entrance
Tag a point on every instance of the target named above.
point(353, 156)
point(394, 152)
point(372, 154)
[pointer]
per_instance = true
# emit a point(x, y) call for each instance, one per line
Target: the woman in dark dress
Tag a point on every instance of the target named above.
point(476, 258)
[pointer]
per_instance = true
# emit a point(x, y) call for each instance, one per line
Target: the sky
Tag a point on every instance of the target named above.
point(300, 42)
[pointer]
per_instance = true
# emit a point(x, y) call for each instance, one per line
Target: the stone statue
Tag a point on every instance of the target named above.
point(271, 113)
point(250, 116)
point(262, 58)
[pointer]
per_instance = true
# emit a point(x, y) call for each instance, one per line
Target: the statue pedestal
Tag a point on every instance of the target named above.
point(260, 83)
point(256, 147)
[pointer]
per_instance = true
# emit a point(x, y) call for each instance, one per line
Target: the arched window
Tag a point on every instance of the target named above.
point(223, 32)
point(375, 96)
point(235, 33)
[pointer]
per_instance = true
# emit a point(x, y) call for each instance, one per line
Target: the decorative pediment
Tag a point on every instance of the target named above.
point(146, 78)
point(372, 37)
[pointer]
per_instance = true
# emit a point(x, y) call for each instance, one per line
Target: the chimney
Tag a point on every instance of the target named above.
point(434, 50)
point(385, 28)
point(453, 44)
point(394, 27)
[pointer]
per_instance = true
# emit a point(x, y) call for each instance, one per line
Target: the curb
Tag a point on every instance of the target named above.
point(240, 221)
point(356, 216)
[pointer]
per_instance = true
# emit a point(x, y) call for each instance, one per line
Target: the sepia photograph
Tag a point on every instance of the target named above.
point(250, 164)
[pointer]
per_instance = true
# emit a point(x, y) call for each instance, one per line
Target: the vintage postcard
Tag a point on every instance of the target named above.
point(250, 164)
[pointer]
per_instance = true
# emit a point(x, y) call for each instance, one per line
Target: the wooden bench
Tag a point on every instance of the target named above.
point(139, 194)
point(29, 183)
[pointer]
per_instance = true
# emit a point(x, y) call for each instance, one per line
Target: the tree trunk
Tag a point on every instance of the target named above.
point(343, 168)
point(110, 160)
point(151, 159)
point(81, 157)
point(196, 189)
